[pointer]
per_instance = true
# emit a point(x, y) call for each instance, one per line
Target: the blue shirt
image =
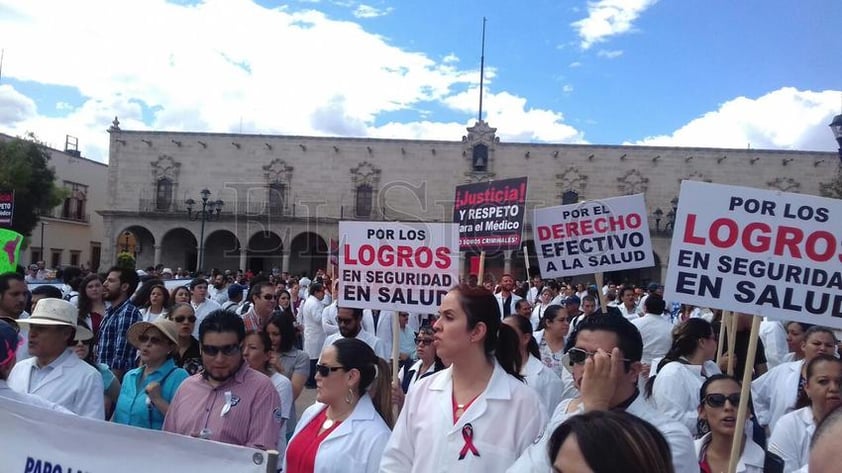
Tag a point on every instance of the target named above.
point(132, 406)
point(113, 347)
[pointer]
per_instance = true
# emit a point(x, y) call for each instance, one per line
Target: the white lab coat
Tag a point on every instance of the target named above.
point(773, 336)
point(384, 327)
point(536, 459)
point(791, 436)
point(72, 383)
point(202, 310)
point(314, 334)
point(513, 307)
point(355, 446)
point(548, 386)
point(375, 343)
point(568, 388)
point(751, 460)
point(775, 392)
point(8, 393)
point(329, 324)
point(505, 420)
point(676, 391)
point(656, 332)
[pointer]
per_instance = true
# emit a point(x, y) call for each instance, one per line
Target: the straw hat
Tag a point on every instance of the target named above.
point(165, 326)
point(51, 311)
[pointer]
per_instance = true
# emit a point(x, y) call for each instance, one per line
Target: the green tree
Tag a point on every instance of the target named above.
point(125, 260)
point(833, 188)
point(24, 168)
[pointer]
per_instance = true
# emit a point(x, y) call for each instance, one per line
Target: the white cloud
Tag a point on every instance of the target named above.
point(14, 106)
point(367, 11)
point(786, 118)
point(608, 18)
point(567, 88)
point(575, 64)
point(609, 54)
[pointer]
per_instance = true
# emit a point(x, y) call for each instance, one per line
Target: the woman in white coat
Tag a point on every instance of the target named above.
point(675, 387)
point(781, 389)
point(720, 399)
point(791, 435)
point(537, 376)
point(344, 431)
point(476, 415)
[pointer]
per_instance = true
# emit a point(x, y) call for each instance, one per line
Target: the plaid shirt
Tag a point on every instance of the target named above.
point(113, 348)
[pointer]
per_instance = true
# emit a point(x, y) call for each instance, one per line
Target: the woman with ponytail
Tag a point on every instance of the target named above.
point(476, 415)
point(681, 373)
point(346, 429)
point(548, 386)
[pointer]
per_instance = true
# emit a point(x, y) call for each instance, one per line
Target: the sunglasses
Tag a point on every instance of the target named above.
point(151, 339)
point(226, 350)
point(578, 356)
point(718, 400)
point(424, 341)
point(180, 319)
point(325, 371)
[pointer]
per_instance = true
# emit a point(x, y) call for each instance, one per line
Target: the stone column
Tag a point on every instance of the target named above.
point(157, 255)
point(285, 253)
point(507, 262)
point(243, 256)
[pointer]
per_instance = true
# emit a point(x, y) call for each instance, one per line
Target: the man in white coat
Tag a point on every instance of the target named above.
point(350, 326)
point(615, 347)
point(314, 333)
point(506, 299)
point(656, 332)
point(54, 372)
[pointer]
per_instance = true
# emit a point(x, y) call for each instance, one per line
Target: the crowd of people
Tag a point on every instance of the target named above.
point(539, 375)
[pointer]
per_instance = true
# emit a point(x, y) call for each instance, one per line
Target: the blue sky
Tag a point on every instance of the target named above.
point(713, 73)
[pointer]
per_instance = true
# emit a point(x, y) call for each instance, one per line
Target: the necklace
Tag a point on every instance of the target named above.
point(328, 423)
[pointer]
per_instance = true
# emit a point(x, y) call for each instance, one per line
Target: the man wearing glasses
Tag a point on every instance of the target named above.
point(605, 362)
point(262, 306)
point(229, 402)
point(351, 326)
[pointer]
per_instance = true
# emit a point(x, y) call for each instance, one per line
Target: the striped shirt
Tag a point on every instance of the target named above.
point(245, 410)
point(113, 347)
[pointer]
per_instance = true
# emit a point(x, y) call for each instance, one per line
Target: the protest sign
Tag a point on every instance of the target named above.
point(38, 440)
point(761, 252)
point(9, 250)
point(490, 214)
point(593, 237)
point(7, 207)
point(397, 266)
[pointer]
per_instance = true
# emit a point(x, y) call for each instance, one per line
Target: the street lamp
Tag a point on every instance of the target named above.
point(836, 128)
point(210, 211)
point(126, 235)
point(658, 214)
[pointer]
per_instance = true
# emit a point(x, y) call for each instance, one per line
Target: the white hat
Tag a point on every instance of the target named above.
point(165, 326)
point(166, 270)
point(50, 311)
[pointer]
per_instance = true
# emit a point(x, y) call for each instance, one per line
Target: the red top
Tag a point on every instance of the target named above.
point(301, 451)
point(456, 406)
point(704, 466)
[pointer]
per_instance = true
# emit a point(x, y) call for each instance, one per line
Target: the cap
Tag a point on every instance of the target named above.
point(573, 300)
point(653, 286)
point(235, 289)
point(9, 342)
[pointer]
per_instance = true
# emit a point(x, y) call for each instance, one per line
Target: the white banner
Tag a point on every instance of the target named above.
point(36, 440)
point(397, 266)
point(593, 237)
point(761, 252)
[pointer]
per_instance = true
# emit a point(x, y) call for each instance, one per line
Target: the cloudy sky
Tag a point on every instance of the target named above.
point(719, 73)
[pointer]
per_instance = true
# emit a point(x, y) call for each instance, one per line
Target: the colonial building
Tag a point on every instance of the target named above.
point(282, 196)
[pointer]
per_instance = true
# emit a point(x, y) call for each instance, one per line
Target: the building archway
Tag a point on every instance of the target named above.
point(139, 242)
point(308, 252)
point(179, 249)
point(222, 251)
point(264, 252)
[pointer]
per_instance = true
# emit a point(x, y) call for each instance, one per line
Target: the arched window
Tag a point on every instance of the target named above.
point(480, 157)
point(276, 198)
point(569, 197)
point(364, 195)
point(163, 194)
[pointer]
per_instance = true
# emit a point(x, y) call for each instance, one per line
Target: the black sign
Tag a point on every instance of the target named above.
point(490, 214)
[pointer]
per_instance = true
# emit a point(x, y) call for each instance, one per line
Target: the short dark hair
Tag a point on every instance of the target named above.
point(654, 304)
point(316, 287)
point(357, 313)
point(198, 281)
point(222, 321)
point(126, 276)
point(6, 278)
point(629, 340)
point(255, 289)
point(520, 302)
point(47, 291)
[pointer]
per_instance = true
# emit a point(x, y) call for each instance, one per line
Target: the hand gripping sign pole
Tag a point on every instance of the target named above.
point(744, 394)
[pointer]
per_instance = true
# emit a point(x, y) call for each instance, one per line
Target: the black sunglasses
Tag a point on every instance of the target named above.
point(180, 319)
point(153, 339)
point(325, 371)
point(577, 356)
point(424, 341)
point(718, 400)
point(268, 297)
point(226, 350)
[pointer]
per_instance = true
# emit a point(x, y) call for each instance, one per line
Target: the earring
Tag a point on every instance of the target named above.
point(349, 397)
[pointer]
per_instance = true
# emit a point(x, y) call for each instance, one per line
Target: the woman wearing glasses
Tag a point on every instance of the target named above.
point(188, 355)
point(428, 363)
point(680, 374)
point(476, 415)
point(345, 430)
point(791, 435)
point(146, 391)
point(720, 398)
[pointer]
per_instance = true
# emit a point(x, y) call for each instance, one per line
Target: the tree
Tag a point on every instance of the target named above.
point(833, 188)
point(24, 168)
point(125, 260)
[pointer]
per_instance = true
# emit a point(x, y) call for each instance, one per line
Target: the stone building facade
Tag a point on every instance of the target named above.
point(284, 195)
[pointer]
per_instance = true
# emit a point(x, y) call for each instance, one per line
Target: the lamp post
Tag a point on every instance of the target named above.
point(43, 253)
point(836, 128)
point(658, 214)
point(126, 236)
point(210, 211)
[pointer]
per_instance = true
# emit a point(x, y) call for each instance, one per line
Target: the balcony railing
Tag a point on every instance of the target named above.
point(58, 213)
point(241, 207)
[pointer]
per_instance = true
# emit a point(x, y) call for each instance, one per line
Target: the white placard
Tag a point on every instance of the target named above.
point(34, 439)
point(592, 237)
point(761, 252)
point(397, 266)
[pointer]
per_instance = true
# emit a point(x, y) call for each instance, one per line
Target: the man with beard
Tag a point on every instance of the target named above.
point(12, 302)
point(113, 348)
point(218, 291)
point(228, 402)
point(507, 300)
point(351, 326)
